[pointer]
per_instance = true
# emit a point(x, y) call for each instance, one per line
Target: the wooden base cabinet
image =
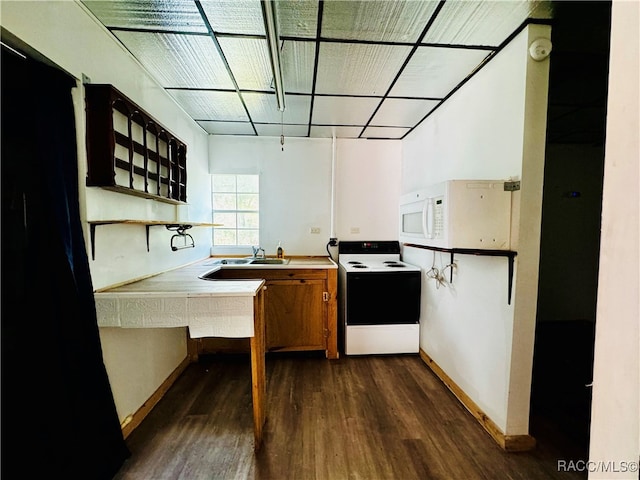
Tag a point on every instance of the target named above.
point(300, 311)
point(296, 315)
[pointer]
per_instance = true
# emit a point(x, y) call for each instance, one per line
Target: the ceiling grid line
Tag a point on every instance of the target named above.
point(406, 61)
point(315, 64)
point(478, 68)
point(212, 35)
point(353, 69)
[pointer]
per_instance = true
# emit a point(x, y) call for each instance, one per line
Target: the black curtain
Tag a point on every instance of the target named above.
point(58, 414)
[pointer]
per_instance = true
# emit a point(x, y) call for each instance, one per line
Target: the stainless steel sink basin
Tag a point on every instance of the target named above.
point(230, 261)
point(269, 261)
point(249, 261)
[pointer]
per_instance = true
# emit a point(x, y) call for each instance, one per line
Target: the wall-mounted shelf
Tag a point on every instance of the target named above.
point(509, 254)
point(179, 226)
point(128, 151)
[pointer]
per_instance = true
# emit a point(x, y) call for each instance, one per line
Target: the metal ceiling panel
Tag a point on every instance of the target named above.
point(345, 111)
point(178, 60)
point(263, 108)
point(270, 130)
point(380, 21)
point(297, 18)
point(234, 16)
point(208, 105)
point(402, 112)
point(384, 132)
point(227, 128)
point(433, 72)
point(321, 131)
point(248, 59)
point(335, 84)
point(358, 69)
point(297, 66)
point(166, 15)
point(482, 22)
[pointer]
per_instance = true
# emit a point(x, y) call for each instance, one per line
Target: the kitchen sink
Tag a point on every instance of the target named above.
point(230, 261)
point(249, 261)
point(269, 261)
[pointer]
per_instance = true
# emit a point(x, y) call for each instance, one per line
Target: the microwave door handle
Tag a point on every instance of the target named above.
point(427, 218)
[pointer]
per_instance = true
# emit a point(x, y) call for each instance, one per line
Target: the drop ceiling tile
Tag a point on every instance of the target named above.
point(345, 111)
point(482, 23)
point(234, 16)
point(353, 73)
point(384, 132)
point(433, 72)
point(227, 128)
point(358, 69)
point(189, 61)
point(297, 18)
point(209, 105)
point(263, 108)
point(298, 59)
point(271, 130)
point(381, 21)
point(170, 16)
point(318, 131)
point(248, 59)
point(402, 112)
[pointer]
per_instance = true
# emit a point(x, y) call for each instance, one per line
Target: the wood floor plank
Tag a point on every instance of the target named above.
point(355, 418)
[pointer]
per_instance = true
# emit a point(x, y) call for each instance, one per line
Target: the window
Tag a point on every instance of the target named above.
point(236, 205)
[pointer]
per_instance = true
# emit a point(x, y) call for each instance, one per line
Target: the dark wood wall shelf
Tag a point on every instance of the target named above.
point(509, 254)
point(128, 151)
point(178, 226)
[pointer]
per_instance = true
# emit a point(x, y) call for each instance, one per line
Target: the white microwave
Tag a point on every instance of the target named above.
point(474, 214)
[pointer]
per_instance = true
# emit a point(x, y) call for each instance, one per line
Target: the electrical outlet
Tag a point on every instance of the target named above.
point(314, 230)
point(355, 230)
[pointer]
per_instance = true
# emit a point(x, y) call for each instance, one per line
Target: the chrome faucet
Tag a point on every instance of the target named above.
point(256, 252)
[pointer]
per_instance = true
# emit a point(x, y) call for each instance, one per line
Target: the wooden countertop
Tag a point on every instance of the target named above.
point(178, 298)
point(294, 262)
point(185, 281)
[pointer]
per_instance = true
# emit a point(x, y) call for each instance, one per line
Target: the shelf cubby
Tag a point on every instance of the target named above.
point(128, 151)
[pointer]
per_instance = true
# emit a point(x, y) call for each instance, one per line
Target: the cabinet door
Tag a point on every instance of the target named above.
point(295, 315)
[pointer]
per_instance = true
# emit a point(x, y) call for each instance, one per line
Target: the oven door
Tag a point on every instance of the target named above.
point(382, 298)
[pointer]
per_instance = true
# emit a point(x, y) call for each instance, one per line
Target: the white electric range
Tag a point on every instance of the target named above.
point(379, 299)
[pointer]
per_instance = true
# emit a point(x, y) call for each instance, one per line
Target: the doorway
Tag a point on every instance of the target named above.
point(570, 239)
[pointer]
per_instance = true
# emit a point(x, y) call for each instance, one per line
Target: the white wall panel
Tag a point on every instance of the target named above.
point(493, 127)
point(615, 420)
point(295, 186)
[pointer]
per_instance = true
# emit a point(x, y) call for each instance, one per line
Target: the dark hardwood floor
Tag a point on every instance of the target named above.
point(368, 418)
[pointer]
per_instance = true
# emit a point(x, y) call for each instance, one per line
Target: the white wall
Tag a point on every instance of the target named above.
point(615, 418)
point(137, 361)
point(492, 128)
point(368, 189)
point(296, 188)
